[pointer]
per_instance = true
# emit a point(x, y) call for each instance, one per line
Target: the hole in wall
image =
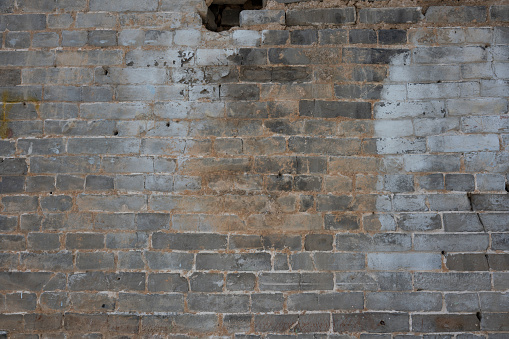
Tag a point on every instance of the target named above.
point(225, 14)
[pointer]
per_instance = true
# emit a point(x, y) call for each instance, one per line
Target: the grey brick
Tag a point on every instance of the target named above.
point(206, 282)
point(45, 39)
point(459, 182)
point(435, 323)
point(150, 302)
point(13, 184)
point(167, 282)
point(451, 242)
point(20, 302)
point(371, 322)
point(362, 36)
point(57, 203)
point(130, 260)
point(240, 281)
point(329, 301)
point(17, 40)
point(385, 281)
point(20, 203)
point(180, 241)
point(392, 36)
point(303, 37)
point(23, 22)
point(449, 54)
point(127, 240)
point(413, 301)
point(261, 17)
point(124, 6)
point(64, 20)
point(169, 261)
point(101, 281)
point(490, 202)
point(320, 16)
point(95, 261)
point(267, 302)
point(499, 13)
point(241, 262)
point(409, 261)
point(450, 14)
point(464, 302)
point(295, 281)
point(390, 15)
point(419, 221)
point(74, 38)
point(43, 241)
point(55, 262)
point(284, 322)
point(272, 37)
point(220, 303)
point(452, 281)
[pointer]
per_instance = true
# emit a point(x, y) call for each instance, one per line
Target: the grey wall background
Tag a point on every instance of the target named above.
point(326, 169)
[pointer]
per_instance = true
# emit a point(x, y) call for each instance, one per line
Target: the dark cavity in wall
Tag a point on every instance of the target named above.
point(225, 14)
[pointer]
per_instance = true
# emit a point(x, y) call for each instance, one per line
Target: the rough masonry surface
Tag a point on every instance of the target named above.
point(334, 169)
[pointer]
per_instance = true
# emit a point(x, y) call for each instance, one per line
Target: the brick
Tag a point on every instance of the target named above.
point(390, 15)
point(167, 282)
point(284, 322)
point(328, 301)
point(295, 281)
point(419, 221)
point(409, 261)
point(17, 302)
point(499, 13)
point(452, 281)
point(220, 303)
point(392, 36)
point(123, 6)
point(28, 281)
point(370, 322)
point(490, 202)
point(242, 262)
point(460, 14)
point(150, 302)
point(240, 281)
point(320, 16)
point(43, 241)
point(101, 281)
point(449, 54)
point(465, 302)
point(95, 261)
point(181, 323)
point(445, 323)
point(334, 109)
point(381, 56)
point(169, 261)
point(377, 242)
point(261, 17)
point(188, 241)
point(272, 37)
point(413, 301)
point(20, 203)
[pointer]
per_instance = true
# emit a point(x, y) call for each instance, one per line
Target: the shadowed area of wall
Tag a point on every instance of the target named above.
point(325, 169)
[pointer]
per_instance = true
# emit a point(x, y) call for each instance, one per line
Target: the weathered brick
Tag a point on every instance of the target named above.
point(445, 323)
point(452, 281)
point(169, 261)
point(461, 14)
point(285, 322)
point(370, 322)
point(101, 281)
point(320, 16)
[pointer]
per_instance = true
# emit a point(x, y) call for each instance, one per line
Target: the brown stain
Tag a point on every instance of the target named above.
point(5, 131)
point(8, 102)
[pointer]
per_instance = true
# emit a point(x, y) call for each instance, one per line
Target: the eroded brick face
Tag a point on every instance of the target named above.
point(325, 170)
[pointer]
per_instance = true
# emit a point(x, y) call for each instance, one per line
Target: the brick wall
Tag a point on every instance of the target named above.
point(326, 170)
